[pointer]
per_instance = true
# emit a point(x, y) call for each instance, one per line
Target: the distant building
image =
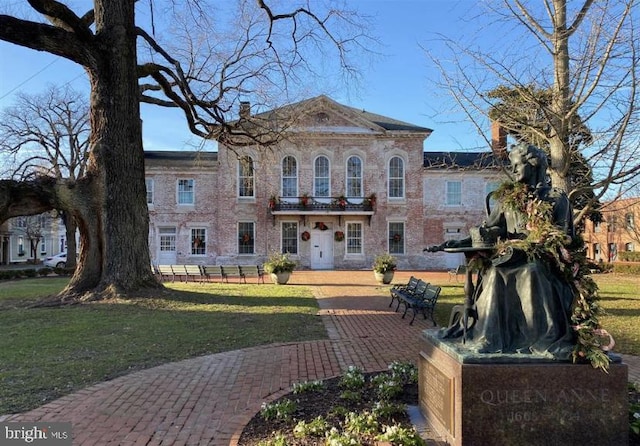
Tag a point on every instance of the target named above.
point(619, 231)
point(341, 187)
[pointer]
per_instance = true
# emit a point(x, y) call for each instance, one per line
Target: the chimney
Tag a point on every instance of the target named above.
point(245, 109)
point(498, 140)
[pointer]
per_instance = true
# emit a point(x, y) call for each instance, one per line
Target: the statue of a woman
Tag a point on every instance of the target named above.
point(522, 303)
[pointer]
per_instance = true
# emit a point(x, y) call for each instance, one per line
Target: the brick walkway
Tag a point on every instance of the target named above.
point(208, 400)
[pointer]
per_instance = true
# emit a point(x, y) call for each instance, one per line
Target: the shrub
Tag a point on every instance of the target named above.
point(45, 271)
point(30, 273)
point(626, 268)
point(629, 256)
point(279, 263)
point(384, 263)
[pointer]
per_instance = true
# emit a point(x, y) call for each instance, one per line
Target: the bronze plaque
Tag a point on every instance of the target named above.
point(436, 394)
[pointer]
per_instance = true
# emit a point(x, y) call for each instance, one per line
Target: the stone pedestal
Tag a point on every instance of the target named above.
point(516, 400)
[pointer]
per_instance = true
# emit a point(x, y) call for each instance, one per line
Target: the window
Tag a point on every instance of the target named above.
point(454, 193)
point(629, 247)
point(629, 221)
point(19, 222)
point(354, 238)
point(596, 226)
point(396, 177)
point(148, 182)
point(20, 246)
point(289, 177)
point(167, 239)
point(246, 178)
point(321, 178)
point(396, 238)
point(354, 177)
point(613, 252)
point(185, 192)
point(290, 237)
point(198, 241)
point(43, 246)
point(246, 238)
point(611, 224)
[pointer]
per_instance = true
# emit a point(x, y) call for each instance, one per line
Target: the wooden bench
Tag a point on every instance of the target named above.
point(399, 288)
point(233, 271)
point(213, 271)
point(252, 271)
point(458, 271)
point(192, 271)
point(422, 300)
point(166, 272)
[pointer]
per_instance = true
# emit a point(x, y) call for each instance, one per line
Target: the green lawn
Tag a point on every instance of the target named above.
point(619, 297)
point(49, 352)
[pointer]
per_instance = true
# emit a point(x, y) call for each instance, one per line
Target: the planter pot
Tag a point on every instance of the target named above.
point(280, 278)
point(383, 278)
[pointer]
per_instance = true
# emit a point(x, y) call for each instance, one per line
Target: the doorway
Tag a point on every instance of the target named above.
point(321, 249)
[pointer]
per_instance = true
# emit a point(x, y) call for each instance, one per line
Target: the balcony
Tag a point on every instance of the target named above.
point(307, 205)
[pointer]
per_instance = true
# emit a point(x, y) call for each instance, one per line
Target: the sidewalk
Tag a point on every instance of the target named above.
point(208, 400)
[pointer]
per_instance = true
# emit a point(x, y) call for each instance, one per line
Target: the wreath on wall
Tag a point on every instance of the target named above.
point(246, 238)
point(397, 238)
point(338, 236)
point(320, 225)
point(305, 236)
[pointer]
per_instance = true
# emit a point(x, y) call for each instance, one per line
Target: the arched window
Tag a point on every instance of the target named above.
point(289, 177)
point(396, 177)
point(246, 179)
point(321, 177)
point(354, 177)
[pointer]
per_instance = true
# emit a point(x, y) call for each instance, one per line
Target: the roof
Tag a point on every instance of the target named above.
point(460, 160)
point(180, 158)
point(361, 120)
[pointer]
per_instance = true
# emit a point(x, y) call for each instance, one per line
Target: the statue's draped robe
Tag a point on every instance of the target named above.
point(523, 306)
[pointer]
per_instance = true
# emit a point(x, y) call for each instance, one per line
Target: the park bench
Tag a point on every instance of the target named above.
point(398, 288)
point(166, 272)
point(422, 300)
point(252, 271)
point(213, 272)
point(192, 271)
point(233, 271)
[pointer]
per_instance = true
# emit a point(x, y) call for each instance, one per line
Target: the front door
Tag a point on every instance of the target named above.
point(321, 249)
point(167, 246)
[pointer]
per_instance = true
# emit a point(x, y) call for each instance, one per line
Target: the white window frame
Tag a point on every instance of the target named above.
point(247, 178)
point(354, 187)
point(193, 235)
point(192, 192)
point(317, 177)
point(350, 235)
point(451, 195)
point(294, 238)
point(396, 180)
point(289, 191)
point(390, 237)
point(149, 185)
point(240, 235)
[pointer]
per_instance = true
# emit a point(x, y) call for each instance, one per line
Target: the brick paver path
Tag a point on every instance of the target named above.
point(208, 400)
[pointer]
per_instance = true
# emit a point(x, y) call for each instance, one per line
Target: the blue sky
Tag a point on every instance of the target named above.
point(399, 84)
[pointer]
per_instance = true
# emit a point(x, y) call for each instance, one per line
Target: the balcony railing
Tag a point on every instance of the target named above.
point(322, 205)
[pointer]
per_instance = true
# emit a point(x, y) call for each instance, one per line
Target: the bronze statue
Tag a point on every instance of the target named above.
point(521, 302)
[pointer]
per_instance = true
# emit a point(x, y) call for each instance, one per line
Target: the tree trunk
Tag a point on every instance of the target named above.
point(115, 226)
point(560, 102)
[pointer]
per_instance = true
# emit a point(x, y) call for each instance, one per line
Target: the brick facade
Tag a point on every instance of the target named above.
point(338, 133)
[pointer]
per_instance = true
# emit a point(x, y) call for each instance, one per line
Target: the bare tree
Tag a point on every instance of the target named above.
point(203, 79)
point(48, 134)
point(585, 56)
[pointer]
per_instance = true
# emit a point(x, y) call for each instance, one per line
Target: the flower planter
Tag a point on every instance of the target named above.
point(280, 278)
point(383, 278)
